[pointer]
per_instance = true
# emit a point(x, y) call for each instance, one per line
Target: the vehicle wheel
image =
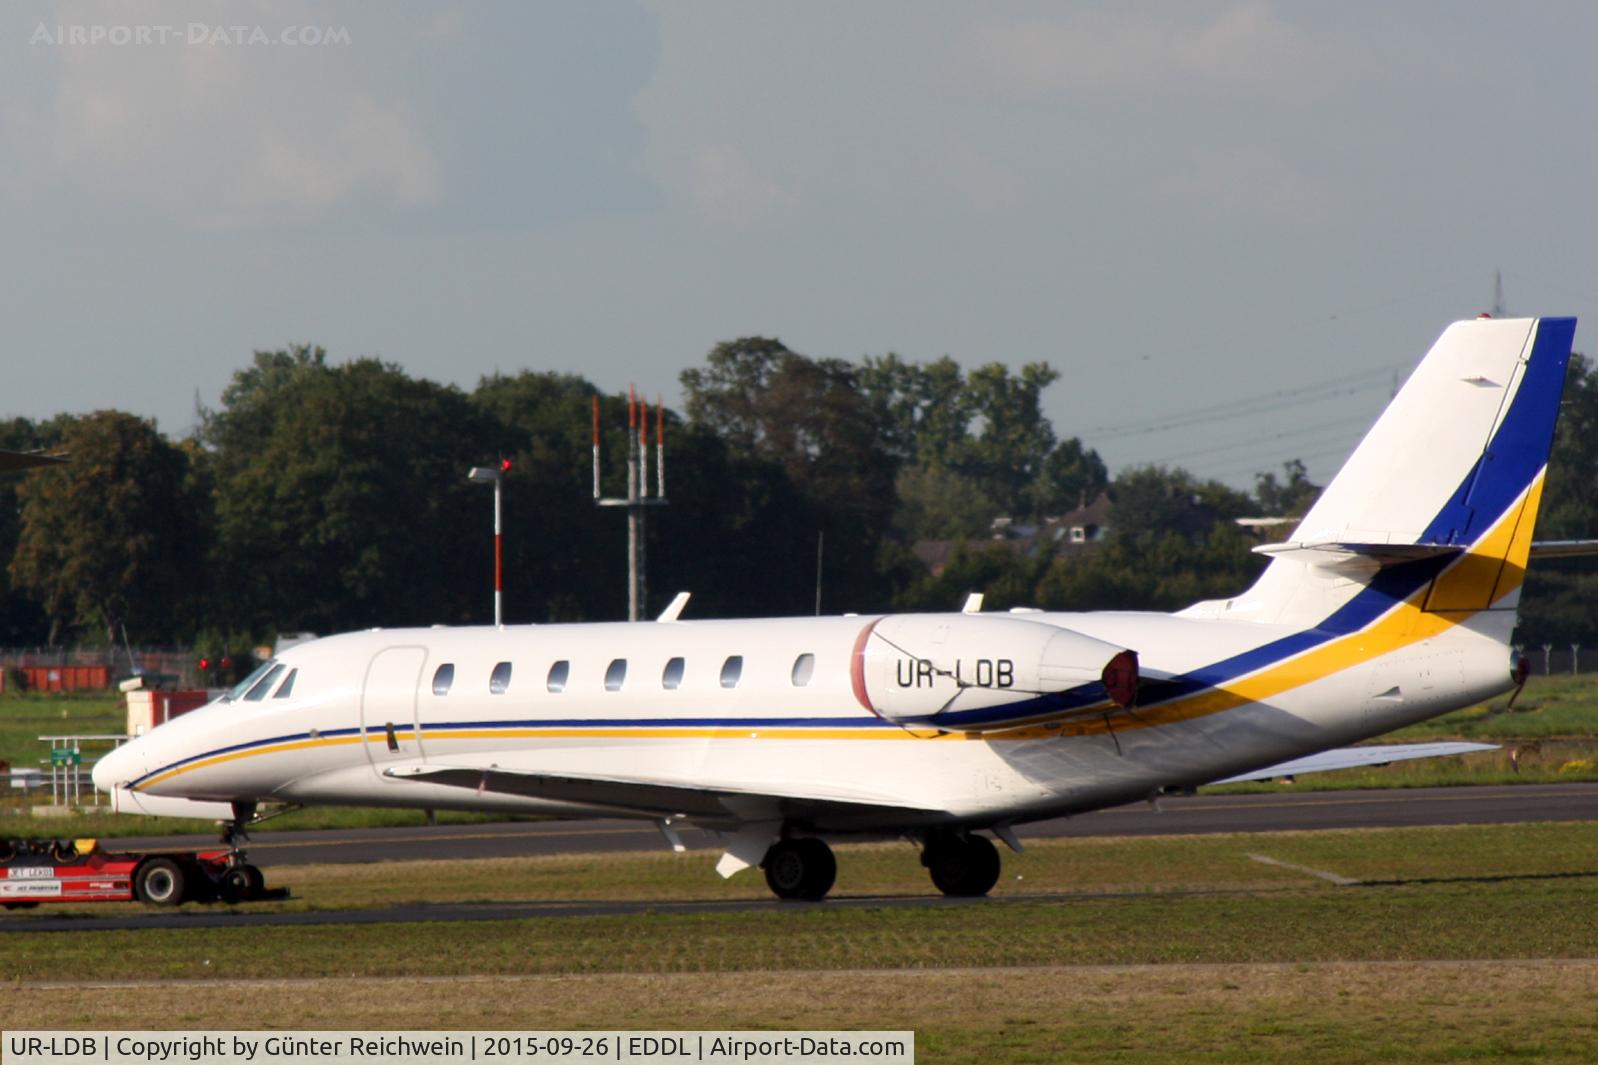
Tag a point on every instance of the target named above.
point(242, 883)
point(964, 867)
point(8, 850)
point(159, 882)
point(821, 867)
point(64, 851)
point(800, 869)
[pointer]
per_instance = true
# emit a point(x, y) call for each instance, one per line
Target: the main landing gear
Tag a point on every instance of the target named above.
point(962, 866)
point(800, 869)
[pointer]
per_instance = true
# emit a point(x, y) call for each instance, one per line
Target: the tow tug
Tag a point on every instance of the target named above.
point(78, 870)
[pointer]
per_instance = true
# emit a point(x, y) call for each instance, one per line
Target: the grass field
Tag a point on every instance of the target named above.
point(1456, 943)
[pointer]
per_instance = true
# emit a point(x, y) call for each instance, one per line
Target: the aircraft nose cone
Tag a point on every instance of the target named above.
point(122, 765)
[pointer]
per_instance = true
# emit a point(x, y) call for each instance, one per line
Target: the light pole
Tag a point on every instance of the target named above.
point(486, 475)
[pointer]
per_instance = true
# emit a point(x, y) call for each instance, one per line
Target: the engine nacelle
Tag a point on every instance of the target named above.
point(980, 673)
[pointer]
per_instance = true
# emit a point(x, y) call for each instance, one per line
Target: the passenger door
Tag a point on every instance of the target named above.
point(390, 725)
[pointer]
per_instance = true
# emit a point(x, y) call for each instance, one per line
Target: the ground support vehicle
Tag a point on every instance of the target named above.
point(35, 871)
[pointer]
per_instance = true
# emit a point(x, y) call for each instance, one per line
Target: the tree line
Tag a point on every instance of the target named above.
point(320, 496)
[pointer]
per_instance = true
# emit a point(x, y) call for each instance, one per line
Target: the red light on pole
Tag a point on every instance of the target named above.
point(496, 477)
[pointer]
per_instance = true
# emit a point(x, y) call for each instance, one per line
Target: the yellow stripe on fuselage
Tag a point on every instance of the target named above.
point(1493, 568)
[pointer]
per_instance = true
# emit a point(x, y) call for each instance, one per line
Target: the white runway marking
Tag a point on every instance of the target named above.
point(1320, 874)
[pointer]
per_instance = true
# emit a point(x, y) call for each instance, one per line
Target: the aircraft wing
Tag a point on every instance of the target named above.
point(1563, 548)
point(708, 803)
point(1354, 757)
point(27, 460)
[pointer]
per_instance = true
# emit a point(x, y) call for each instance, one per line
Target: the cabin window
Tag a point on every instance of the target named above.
point(803, 668)
point(557, 676)
point(259, 689)
point(671, 676)
point(499, 680)
point(288, 685)
point(616, 675)
point(731, 670)
point(443, 677)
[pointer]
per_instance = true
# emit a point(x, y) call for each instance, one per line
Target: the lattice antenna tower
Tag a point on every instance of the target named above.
point(638, 498)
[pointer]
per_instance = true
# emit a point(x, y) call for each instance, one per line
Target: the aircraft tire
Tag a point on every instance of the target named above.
point(241, 883)
point(962, 867)
point(159, 882)
point(801, 869)
point(822, 866)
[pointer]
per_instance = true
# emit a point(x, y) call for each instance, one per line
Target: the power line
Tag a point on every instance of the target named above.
point(1304, 457)
point(1341, 424)
point(1237, 408)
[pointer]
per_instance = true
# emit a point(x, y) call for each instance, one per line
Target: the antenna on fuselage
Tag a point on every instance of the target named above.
point(638, 496)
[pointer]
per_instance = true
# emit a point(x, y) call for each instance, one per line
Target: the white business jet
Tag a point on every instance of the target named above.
point(1392, 601)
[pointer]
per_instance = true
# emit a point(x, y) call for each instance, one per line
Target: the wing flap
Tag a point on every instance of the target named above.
point(1355, 757)
point(708, 803)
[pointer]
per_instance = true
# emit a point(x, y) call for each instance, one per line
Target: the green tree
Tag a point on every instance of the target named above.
point(1073, 476)
point(1005, 576)
point(1157, 500)
point(22, 619)
point(1556, 604)
point(935, 503)
point(1292, 496)
point(342, 499)
point(986, 427)
point(1173, 541)
point(563, 555)
point(111, 541)
point(924, 410)
point(810, 418)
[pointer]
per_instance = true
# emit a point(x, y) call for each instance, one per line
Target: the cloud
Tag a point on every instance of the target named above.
point(363, 147)
point(728, 186)
point(1245, 45)
point(230, 134)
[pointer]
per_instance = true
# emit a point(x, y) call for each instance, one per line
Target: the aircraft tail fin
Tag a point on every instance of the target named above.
point(1442, 494)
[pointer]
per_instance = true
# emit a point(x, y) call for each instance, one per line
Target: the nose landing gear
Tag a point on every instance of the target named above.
point(240, 881)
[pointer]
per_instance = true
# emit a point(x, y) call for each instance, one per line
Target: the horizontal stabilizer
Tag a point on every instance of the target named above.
point(1563, 548)
point(1341, 555)
point(1355, 757)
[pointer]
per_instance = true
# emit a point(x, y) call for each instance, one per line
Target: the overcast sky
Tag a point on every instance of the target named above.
point(1178, 205)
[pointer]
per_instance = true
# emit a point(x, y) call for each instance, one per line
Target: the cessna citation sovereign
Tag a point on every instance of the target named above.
point(1391, 602)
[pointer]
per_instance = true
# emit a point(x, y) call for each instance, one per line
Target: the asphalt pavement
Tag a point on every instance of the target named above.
point(1175, 815)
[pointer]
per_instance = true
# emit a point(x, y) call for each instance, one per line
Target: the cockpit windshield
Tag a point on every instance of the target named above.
point(248, 682)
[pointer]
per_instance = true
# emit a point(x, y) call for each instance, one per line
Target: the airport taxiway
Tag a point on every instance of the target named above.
point(1177, 815)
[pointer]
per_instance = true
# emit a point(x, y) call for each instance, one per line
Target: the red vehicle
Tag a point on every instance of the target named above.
point(35, 871)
